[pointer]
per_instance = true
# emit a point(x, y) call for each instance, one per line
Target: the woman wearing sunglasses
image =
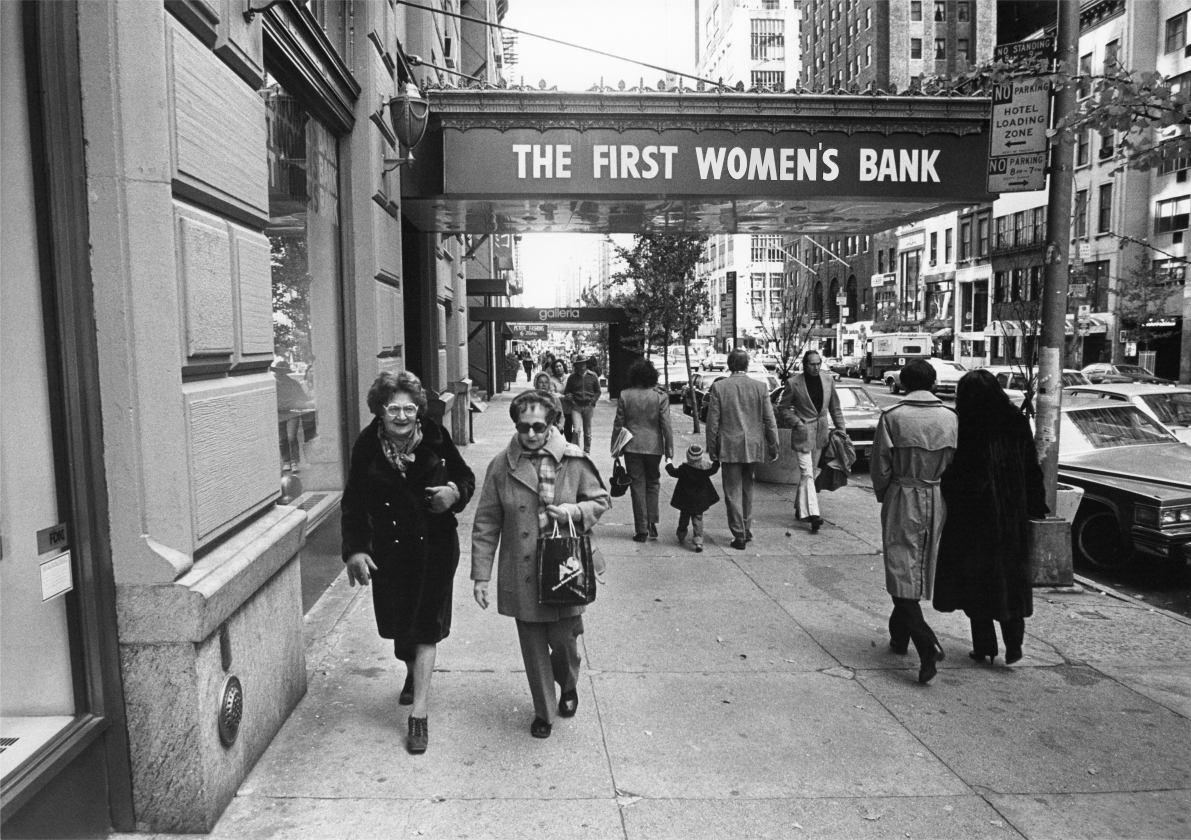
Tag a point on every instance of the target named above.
point(406, 483)
point(539, 480)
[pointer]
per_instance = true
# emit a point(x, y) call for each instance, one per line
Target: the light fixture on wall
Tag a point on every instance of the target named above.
point(254, 7)
point(409, 113)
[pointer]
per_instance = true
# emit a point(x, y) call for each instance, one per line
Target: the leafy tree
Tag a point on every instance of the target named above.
point(664, 298)
point(790, 332)
point(291, 298)
point(1150, 291)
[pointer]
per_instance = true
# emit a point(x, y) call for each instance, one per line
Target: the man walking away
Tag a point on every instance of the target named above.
point(806, 403)
point(915, 441)
point(583, 387)
point(741, 432)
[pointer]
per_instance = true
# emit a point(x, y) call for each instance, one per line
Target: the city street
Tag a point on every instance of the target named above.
point(738, 694)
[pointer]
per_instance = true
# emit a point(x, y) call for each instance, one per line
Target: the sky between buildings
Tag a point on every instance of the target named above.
point(661, 32)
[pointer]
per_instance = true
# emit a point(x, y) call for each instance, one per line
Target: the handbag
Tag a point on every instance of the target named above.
point(620, 479)
point(566, 569)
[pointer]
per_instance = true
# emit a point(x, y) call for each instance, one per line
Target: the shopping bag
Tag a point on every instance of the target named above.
point(566, 570)
point(620, 479)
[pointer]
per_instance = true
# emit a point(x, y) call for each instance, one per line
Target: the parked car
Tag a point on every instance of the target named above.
point(1136, 477)
point(1170, 406)
point(696, 393)
point(1103, 372)
point(1013, 379)
point(849, 367)
point(947, 376)
point(861, 414)
point(675, 375)
point(716, 361)
point(769, 361)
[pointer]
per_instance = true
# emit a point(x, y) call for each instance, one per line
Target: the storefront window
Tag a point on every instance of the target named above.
point(307, 344)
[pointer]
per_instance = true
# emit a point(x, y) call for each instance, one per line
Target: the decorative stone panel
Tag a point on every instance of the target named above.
point(232, 450)
point(388, 316)
point(204, 274)
point(253, 280)
point(219, 136)
point(201, 17)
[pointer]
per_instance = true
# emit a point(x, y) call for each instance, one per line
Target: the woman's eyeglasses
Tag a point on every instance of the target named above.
point(397, 410)
point(536, 428)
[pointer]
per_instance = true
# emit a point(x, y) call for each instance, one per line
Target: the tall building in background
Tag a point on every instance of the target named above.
point(752, 44)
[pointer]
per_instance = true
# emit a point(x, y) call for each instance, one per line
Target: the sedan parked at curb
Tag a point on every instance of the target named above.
point(695, 394)
point(1136, 478)
point(947, 376)
point(1103, 372)
point(1169, 405)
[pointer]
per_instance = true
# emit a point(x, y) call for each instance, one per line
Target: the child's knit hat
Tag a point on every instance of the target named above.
point(696, 458)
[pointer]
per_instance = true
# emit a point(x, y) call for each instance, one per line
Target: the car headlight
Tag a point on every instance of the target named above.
point(1170, 517)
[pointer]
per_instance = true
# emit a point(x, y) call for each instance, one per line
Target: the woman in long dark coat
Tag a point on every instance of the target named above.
point(993, 486)
point(407, 482)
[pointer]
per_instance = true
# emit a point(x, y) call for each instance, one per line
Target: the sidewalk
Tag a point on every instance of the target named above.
point(738, 695)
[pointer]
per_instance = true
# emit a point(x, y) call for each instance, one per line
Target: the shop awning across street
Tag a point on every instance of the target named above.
point(498, 160)
point(1096, 323)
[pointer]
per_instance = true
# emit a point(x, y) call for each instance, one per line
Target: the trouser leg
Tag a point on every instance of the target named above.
point(634, 463)
point(653, 486)
point(908, 613)
point(697, 525)
point(576, 425)
point(586, 413)
point(732, 476)
point(984, 636)
point(807, 502)
point(684, 521)
point(746, 498)
point(1013, 632)
point(550, 652)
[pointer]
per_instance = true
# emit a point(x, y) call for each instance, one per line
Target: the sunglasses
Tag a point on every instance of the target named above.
point(536, 428)
point(397, 410)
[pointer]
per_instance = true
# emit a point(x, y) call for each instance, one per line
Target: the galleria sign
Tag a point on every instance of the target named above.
point(559, 314)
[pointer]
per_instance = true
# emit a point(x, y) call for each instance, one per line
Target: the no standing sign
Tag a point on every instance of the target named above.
point(1020, 117)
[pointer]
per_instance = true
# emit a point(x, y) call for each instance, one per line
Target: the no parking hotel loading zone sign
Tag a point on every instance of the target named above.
point(1020, 118)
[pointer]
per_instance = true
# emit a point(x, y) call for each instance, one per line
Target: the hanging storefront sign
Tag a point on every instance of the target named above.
point(710, 163)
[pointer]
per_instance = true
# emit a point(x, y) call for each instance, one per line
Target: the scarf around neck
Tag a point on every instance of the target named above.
point(399, 451)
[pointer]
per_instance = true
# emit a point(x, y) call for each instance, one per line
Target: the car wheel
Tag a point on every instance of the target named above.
point(866, 379)
point(892, 383)
point(1096, 539)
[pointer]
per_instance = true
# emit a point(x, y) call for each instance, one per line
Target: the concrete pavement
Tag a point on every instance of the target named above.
point(738, 694)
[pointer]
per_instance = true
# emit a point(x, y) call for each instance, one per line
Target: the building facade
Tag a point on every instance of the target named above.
point(205, 268)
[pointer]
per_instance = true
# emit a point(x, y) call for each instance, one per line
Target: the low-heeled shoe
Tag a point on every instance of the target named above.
point(568, 703)
point(406, 697)
point(540, 729)
point(739, 545)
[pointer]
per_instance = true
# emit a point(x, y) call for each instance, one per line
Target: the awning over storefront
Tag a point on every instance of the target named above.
point(529, 160)
point(1096, 323)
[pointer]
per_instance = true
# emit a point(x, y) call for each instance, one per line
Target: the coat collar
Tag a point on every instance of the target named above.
point(523, 469)
point(922, 398)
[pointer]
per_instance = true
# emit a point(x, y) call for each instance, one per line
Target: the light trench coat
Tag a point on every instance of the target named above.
point(915, 441)
point(507, 516)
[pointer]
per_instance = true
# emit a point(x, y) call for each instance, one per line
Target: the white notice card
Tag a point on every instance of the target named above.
point(55, 576)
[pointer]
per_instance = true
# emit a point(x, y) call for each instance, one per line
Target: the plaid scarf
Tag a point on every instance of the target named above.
point(543, 462)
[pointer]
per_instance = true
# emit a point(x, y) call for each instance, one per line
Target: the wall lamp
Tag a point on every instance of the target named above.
point(252, 8)
point(409, 113)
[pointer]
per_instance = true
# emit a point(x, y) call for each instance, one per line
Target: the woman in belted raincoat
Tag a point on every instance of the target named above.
point(914, 442)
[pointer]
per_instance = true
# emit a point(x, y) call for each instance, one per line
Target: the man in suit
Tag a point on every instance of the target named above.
point(810, 407)
point(741, 432)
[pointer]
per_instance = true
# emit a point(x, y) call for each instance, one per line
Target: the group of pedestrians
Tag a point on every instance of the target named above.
point(956, 490)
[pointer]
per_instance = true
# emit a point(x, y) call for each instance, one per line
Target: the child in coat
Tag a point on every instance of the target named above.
point(694, 492)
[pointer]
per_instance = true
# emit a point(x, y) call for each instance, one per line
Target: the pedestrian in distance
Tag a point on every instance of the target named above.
point(992, 488)
point(645, 413)
point(583, 387)
point(527, 363)
point(537, 481)
point(810, 408)
point(545, 383)
point(914, 443)
point(694, 493)
point(741, 433)
point(405, 485)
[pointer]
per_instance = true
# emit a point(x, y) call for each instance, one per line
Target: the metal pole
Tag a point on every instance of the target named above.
point(1058, 239)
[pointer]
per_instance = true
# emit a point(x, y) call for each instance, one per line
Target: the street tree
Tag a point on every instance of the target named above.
point(665, 299)
point(788, 331)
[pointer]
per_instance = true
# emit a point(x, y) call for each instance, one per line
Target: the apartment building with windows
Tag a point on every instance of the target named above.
point(753, 44)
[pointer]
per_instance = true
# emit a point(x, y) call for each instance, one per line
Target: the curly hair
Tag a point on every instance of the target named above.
point(642, 374)
point(387, 385)
point(528, 399)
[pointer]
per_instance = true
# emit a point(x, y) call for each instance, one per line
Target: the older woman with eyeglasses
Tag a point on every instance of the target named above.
point(406, 483)
point(538, 480)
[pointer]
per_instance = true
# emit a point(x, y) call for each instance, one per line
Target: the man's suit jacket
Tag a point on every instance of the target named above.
point(812, 428)
point(741, 426)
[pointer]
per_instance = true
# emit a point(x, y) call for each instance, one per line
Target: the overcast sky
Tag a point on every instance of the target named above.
point(661, 32)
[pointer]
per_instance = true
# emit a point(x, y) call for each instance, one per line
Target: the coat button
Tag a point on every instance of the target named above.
point(525, 533)
point(527, 578)
point(523, 507)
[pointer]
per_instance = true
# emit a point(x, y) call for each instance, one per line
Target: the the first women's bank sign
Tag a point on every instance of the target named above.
point(714, 163)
